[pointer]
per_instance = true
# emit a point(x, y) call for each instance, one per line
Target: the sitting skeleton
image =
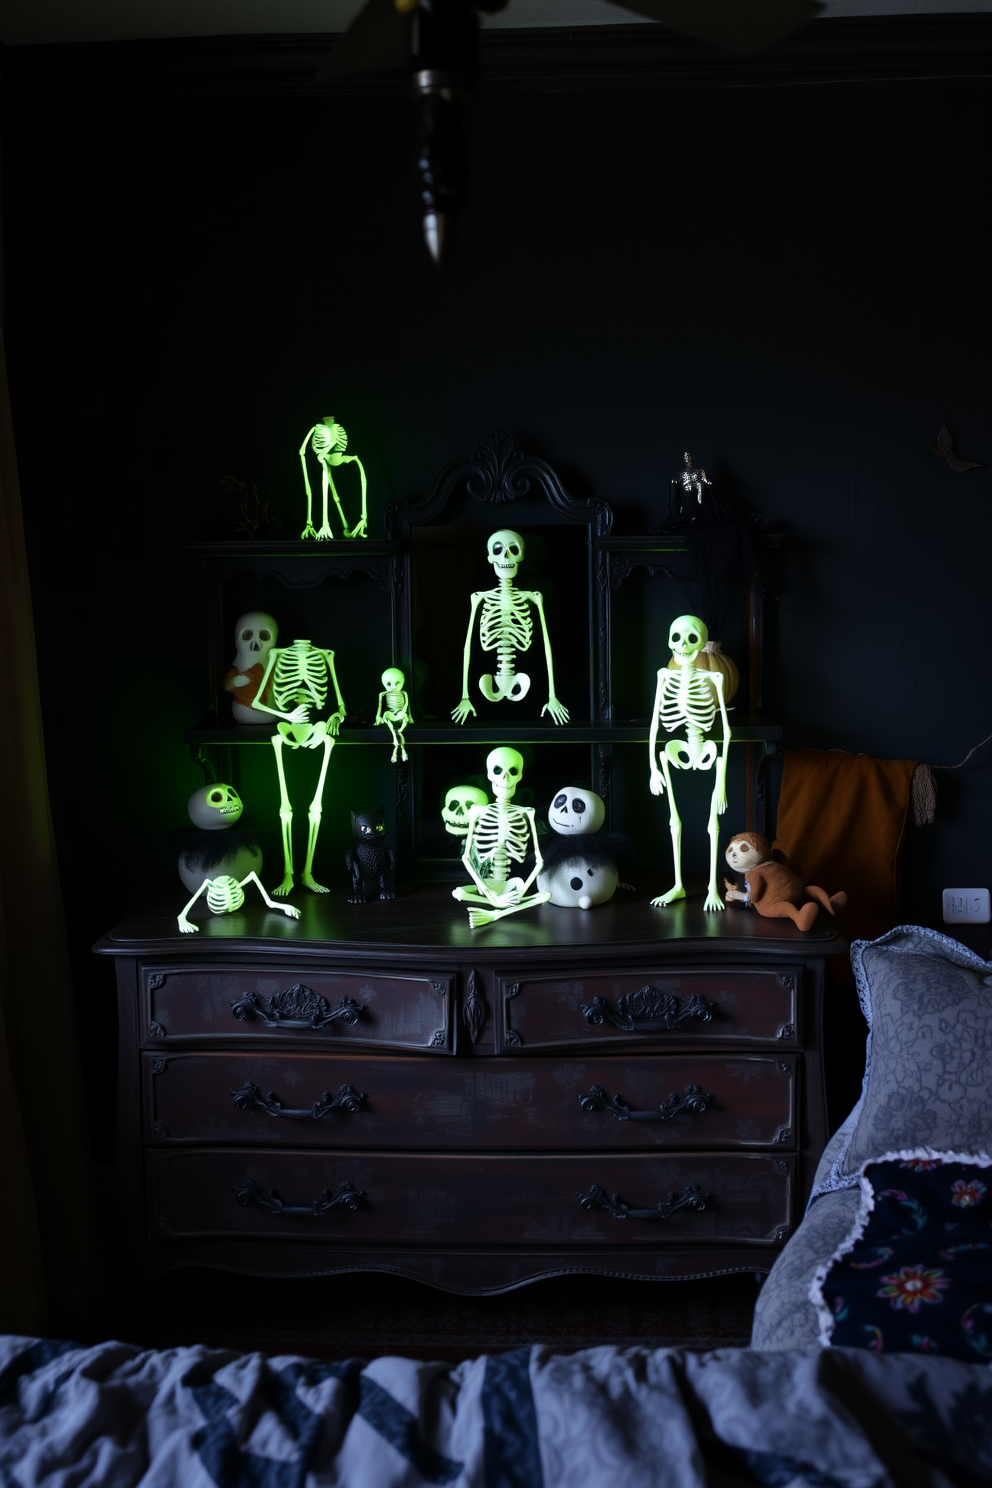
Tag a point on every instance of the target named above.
point(693, 480)
point(225, 895)
point(329, 441)
point(689, 698)
point(500, 835)
point(299, 675)
point(506, 626)
point(393, 710)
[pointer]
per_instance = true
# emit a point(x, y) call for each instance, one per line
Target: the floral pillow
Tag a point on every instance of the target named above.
point(915, 1273)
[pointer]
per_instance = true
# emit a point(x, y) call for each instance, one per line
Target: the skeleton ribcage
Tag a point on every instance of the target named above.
point(325, 441)
point(225, 895)
point(689, 698)
point(511, 825)
point(300, 677)
point(507, 620)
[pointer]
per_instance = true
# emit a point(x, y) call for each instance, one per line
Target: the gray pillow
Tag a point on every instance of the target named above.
point(928, 1070)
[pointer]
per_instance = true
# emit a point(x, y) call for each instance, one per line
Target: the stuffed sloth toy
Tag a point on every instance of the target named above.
point(771, 887)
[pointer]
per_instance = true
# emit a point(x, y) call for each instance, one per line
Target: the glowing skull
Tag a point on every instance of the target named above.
point(573, 811)
point(505, 550)
point(504, 768)
point(215, 806)
point(687, 638)
point(254, 635)
point(457, 805)
point(393, 679)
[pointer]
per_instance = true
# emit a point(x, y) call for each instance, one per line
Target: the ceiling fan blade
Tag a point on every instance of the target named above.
point(378, 40)
point(743, 26)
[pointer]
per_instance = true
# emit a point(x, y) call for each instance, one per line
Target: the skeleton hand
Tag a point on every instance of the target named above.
point(289, 909)
point(299, 715)
point(558, 711)
point(334, 722)
point(186, 927)
point(464, 708)
point(657, 783)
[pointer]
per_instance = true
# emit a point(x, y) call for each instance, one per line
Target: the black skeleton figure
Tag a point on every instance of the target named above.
point(370, 862)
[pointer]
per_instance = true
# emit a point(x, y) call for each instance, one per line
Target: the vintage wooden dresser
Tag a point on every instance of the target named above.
point(628, 1091)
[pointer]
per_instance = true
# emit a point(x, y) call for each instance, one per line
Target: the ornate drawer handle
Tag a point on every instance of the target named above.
point(647, 1009)
point(251, 1098)
point(693, 1098)
point(267, 1198)
point(297, 1007)
point(691, 1197)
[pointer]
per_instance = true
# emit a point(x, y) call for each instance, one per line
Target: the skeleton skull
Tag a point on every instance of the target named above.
point(393, 679)
point(457, 805)
point(215, 806)
point(505, 550)
point(254, 635)
point(504, 768)
point(687, 638)
point(573, 811)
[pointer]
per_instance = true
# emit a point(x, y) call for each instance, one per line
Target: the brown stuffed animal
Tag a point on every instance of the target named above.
point(771, 887)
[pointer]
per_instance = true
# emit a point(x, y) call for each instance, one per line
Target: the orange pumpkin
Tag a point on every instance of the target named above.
point(712, 659)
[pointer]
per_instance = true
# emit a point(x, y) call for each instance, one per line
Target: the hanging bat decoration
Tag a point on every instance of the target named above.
point(944, 450)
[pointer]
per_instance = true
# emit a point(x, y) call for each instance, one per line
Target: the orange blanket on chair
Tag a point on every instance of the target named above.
point(840, 823)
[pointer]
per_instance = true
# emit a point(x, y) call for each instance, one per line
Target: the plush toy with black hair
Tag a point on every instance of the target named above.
point(581, 863)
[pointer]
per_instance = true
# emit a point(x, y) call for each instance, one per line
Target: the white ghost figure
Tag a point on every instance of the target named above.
point(579, 871)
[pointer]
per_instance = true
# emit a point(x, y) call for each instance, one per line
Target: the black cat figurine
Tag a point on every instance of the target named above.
point(370, 862)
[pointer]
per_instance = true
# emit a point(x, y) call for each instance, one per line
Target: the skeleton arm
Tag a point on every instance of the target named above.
point(657, 783)
point(337, 717)
point(470, 857)
point(721, 765)
point(538, 860)
point(298, 714)
point(184, 924)
point(287, 909)
point(464, 708)
point(378, 708)
point(558, 711)
point(309, 530)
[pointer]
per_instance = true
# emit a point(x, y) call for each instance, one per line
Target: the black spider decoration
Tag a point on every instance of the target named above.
point(370, 862)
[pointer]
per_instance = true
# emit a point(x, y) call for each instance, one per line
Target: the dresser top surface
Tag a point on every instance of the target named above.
point(422, 920)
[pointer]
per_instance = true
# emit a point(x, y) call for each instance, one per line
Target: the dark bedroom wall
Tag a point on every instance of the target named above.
point(790, 282)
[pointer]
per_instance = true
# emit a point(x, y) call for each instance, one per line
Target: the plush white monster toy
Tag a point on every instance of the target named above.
point(580, 868)
point(219, 846)
point(254, 636)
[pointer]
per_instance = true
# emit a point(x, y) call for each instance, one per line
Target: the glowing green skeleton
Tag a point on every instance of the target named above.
point(299, 676)
point(225, 895)
point(499, 835)
point(329, 441)
point(688, 698)
point(506, 626)
point(393, 709)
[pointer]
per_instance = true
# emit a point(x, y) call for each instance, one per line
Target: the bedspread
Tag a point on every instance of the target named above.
point(115, 1415)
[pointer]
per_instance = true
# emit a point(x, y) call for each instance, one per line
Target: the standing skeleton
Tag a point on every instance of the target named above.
point(499, 836)
point(299, 676)
point(394, 709)
point(688, 698)
point(506, 626)
point(329, 441)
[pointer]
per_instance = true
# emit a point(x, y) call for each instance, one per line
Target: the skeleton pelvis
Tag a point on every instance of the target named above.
point(692, 755)
point(510, 687)
point(303, 735)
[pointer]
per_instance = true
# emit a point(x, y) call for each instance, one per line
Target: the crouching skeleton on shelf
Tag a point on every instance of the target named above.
point(506, 626)
point(225, 895)
point(498, 836)
point(329, 441)
point(689, 698)
point(299, 675)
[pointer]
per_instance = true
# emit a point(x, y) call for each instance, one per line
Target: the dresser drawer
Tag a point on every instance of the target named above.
point(285, 1002)
point(662, 1006)
point(620, 1102)
point(404, 1199)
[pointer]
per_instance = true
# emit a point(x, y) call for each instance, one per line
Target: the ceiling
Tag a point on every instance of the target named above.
point(30, 22)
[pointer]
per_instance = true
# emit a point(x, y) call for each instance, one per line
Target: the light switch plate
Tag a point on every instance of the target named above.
point(966, 907)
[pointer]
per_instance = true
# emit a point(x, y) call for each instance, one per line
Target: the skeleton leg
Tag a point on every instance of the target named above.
point(361, 526)
point(287, 909)
point(713, 900)
point(677, 891)
point(185, 925)
point(313, 816)
point(286, 820)
point(397, 738)
point(479, 917)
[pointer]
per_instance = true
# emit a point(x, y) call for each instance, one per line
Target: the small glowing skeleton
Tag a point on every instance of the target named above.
point(693, 480)
point(506, 626)
point(329, 441)
point(689, 698)
point(393, 710)
point(299, 676)
point(225, 895)
point(499, 835)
